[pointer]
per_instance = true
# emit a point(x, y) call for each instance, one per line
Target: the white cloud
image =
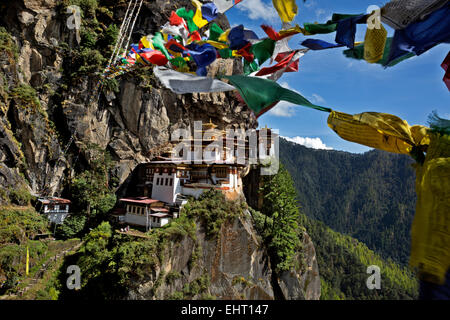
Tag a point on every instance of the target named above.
point(287, 109)
point(314, 143)
point(257, 9)
point(283, 109)
point(317, 99)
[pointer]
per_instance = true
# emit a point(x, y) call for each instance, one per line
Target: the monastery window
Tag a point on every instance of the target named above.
point(167, 181)
point(221, 172)
point(171, 182)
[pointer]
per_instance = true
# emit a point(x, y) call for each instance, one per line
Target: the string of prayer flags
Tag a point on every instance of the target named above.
point(328, 27)
point(182, 83)
point(446, 66)
point(358, 53)
point(421, 36)
point(261, 94)
point(287, 9)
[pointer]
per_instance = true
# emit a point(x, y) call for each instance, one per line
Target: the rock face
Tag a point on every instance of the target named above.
point(236, 263)
point(131, 123)
point(42, 106)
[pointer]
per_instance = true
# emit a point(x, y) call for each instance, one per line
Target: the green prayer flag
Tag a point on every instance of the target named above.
point(261, 94)
point(158, 43)
point(329, 26)
point(226, 53)
point(214, 32)
point(189, 17)
point(250, 67)
point(263, 50)
point(358, 53)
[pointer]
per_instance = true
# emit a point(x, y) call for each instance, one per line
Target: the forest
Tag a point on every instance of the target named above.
point(370, 197)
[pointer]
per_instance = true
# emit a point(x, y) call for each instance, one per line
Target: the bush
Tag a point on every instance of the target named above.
point(27, 94)
point(214, 209)
point(7, 44)
point(20, 196)
point(71, 227)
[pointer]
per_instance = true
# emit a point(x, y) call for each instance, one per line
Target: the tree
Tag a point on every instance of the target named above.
point(281, 212)
point(92, 189)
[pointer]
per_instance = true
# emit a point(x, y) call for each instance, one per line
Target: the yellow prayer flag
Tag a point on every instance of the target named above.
point(287, 9)
point(27, 268)
point(215, 44)
point(224, 36)
point(146, 43)
point(198, 17)
point(374, 43)
point(377, 130)
point(430, 231)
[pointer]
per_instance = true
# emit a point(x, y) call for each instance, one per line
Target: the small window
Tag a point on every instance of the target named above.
point(221, 172)
point(171, 182)
point(157, 181)
point(167, 181)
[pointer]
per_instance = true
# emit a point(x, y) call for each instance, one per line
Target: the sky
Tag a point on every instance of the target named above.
point(410, 90)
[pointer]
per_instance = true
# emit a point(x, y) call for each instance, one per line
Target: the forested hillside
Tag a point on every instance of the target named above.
point(368, 196)
point(343, 263)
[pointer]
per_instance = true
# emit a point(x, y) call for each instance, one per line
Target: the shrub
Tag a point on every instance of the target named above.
point(20, 196)
point(7, 44)
point(71, 227)
point(214, 209)
point(27, 94)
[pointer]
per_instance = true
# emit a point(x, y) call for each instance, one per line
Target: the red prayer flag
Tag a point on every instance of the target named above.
point(195, 36)
point(175, 20)
point(272, 34)
point(154, 57)
point(283, 63)
point(245, 52)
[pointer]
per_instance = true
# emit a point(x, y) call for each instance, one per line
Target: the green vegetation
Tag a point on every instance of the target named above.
point(87, 6)
point(369, 196)
point(7, 44)
point(20, 196)
point(343, 263)
point(93, 189)
point(213, 210)
point(72, 227)
point(18, 224)
point(278, 221)
point(113, 264)
point(17, 227)
point(27, 95)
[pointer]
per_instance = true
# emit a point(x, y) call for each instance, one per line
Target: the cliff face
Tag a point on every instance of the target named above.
point(46, 96)
point(237, 267)
point(131, 123)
